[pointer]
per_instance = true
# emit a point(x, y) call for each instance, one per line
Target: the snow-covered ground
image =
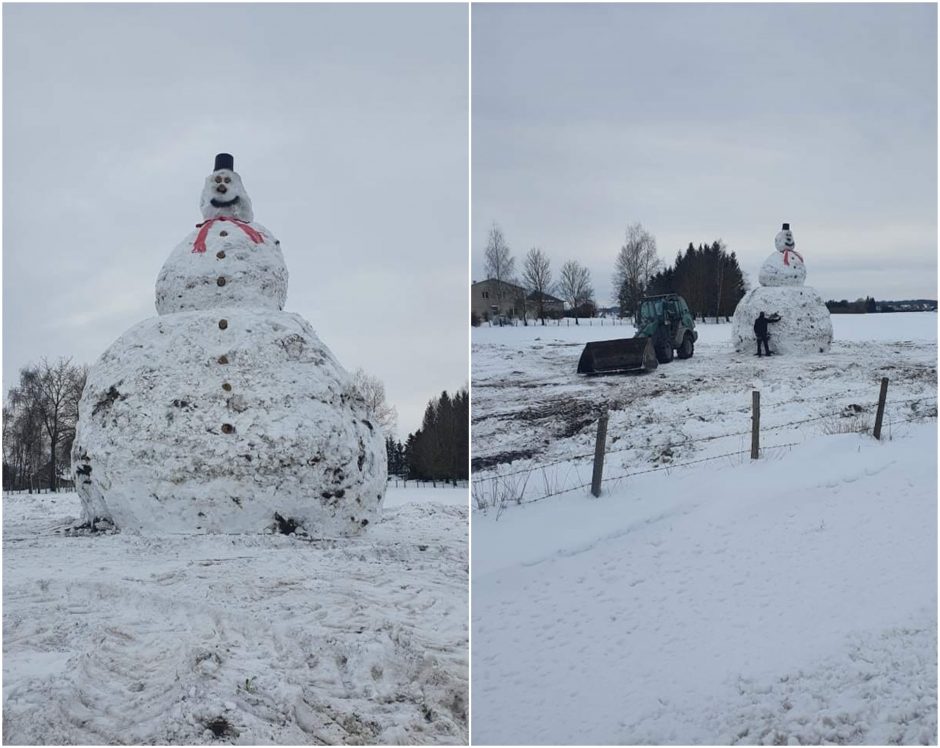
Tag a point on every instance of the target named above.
point(791, 599)
point(426, 492)
point(248, 639)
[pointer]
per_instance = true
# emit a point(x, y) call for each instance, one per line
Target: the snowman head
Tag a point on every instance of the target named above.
point(224, 194)
point(784, 239)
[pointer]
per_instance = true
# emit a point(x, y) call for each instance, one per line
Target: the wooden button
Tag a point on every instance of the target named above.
point(227, 387)
point(220, 281)
point(227, 428)
point(223, 359)
point(223, 323)
point(220, 255)
point(223, 233)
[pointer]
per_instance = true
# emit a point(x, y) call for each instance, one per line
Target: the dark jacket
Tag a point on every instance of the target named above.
point(760, 324)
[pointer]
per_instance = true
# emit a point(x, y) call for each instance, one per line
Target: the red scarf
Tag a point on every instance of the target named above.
point(786, 256)
point(200, 244)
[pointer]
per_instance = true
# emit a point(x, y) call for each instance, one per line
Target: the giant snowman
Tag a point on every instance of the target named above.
point(804, 326)
point(225, 414)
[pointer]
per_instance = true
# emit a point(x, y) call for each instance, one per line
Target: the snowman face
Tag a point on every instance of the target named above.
point(224, 188)
point(784, 240)
point(225, 195)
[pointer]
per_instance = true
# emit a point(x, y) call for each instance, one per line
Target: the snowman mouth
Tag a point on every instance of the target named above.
point(223, 203)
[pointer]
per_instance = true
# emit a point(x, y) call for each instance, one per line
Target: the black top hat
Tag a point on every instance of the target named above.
point(224, 161)
point(786, 226)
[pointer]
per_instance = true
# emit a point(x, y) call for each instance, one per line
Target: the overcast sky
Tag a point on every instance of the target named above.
point(712, 121)
point(348, 124)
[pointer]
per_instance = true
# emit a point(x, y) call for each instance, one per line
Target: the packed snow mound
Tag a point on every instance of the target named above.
point(783, 269)
point(226, 414)
point(804, 327)
point(229, 420)
point(232, 269)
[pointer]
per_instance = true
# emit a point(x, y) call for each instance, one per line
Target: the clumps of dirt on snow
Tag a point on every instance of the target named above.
point(221, 728)
point(485, 463)
point(572, 415)
point(107, 400)
point(284, 526)
point(573, 426)
point(94, 526)
point(569, 409)
point(923, 410)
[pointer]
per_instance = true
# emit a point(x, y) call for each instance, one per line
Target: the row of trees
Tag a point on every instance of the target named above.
point(868, 305)
point(39, 419)
point(859, 306)
point(536, 280)
point(440, 449)
point(708, 277)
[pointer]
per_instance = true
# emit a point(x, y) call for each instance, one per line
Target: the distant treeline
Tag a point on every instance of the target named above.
point(440, 449)
point(868, 305)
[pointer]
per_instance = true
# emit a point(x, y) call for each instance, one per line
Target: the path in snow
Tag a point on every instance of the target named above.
point(794, 600)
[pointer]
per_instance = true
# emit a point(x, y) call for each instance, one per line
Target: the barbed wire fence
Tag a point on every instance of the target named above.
point(502, 489)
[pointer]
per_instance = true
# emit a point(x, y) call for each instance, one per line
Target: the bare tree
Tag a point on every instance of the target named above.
point(637, 262)
point(47, 398)
point(575, 285)
point(499, 264)
point(23, 442)
point(372, 391)
point(537, 277)
point(59, 389)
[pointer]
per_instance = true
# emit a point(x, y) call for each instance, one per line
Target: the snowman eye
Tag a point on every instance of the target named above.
point(218, 179)
point(227, 180)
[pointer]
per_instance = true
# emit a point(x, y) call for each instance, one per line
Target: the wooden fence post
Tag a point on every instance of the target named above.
point(599, 448)
point(882, 396)
point(755, 424)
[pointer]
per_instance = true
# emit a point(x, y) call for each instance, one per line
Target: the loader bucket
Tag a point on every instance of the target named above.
point(615, 356)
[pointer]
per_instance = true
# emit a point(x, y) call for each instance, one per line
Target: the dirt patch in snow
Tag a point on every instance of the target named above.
point(482, 463)
point(544, 408)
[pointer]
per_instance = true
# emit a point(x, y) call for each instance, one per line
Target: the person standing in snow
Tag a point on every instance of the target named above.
point(760, 330)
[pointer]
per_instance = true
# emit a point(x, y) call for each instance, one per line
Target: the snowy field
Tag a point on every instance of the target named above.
point(788, 600)
point(248, 639)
